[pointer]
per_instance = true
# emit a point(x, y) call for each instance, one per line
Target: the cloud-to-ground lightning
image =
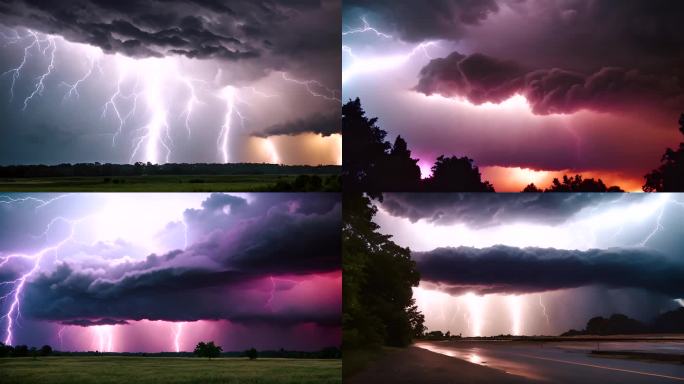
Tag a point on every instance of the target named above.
point(546, 315)
point(14, 295)
point(228, 95)
point(177, 336)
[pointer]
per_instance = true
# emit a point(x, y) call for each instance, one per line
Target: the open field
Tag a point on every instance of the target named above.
point(171, 370)
point(149, 183)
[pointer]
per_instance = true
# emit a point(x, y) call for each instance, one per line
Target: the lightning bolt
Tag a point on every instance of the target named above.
point(157, 128)
point(40, 84)
point(14, 312)
point(541, 304)
point(177, 335)
point(59, 336)
point(366, 27)
point(193, 100)
point(123, 66)
point(16, 72)
point(228, 95)
point(379, 63)
point(658, 225)
point(104, 337)
point(10, 200)
point(93, 61)
point(315, 88)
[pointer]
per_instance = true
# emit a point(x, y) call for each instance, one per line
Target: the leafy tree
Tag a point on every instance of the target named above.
point(456, 174)
point(20, 351)
point(532, 189)
point(208, 349)
point(578, 184)
point(669, 177)
point(378, 305)
point(252, 353)
point(6, 350)
point(45, 350)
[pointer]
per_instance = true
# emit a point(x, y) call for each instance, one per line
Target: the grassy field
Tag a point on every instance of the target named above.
point(157, 183)
point(167, 370)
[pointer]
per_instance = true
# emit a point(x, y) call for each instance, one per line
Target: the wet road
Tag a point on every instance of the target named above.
point(566, 362)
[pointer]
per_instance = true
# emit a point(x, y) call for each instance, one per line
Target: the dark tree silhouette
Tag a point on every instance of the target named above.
point(6, 350)
point(669, 177)
point(453, 174)
point(618, 324)
point(378, 304)
point(252, 353)
point(208, 349)
point(578, 184)
point(532, 189)
point(372, 164)
point(45, 350)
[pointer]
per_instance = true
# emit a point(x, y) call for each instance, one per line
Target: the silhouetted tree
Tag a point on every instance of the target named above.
point(532, 189)
point(207, 350)
point(20, 351)
point(378, 305)
point(371, 164)
point(252, 353)
point(456, 174)
point(578, 184)
point(669, 177)
point(6, 350)
point(45, 350)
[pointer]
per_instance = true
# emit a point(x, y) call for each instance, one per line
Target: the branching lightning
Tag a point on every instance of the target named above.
point(366, 27)
point(40, 83)
point(93, 61)
point(315, 88)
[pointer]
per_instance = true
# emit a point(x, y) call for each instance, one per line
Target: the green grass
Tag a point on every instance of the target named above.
point(167, 370)
point(156, 183)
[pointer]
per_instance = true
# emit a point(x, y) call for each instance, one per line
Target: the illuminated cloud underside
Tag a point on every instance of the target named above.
point(600, 225)
point(94, 279)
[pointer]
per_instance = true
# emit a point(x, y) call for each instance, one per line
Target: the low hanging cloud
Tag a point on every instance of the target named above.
point(482, 210)
point(480, 78)
point(322, 124)
point(510, 270)
point(256, 259)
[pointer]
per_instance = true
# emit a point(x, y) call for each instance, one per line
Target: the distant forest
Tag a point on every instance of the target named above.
point(372, 164)
point(140, 169)
point(618, 324)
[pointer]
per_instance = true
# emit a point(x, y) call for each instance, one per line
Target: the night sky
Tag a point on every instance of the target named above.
point(539, 263)
point(170, 81)
point(530, 89)
point(161, 272)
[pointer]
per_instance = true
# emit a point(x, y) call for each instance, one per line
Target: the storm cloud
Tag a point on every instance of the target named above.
point(480, 78)
point(255, 258)
point(510, 270)
point(482, 210)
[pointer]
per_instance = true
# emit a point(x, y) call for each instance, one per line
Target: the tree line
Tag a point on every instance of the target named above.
point(378, 304)
point(142, 169)
point(371, 163)
point(619, 324)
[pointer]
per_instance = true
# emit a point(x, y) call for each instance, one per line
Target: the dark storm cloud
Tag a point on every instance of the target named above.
point(231, 31)
point(323, 124)
point(237, 246)
point(480, 78)
point(420, 20)
point(479, 210)
point(509, 270)
point(90, 323)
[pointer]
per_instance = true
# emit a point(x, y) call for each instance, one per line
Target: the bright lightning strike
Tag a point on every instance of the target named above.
point(177, 335)
point(546, 315)
point(228, 95)
point(40, 84)
point(93, 62)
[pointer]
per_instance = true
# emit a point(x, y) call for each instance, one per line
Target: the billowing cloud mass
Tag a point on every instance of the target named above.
point(529, 89)
point(480, 79)
point(481, 211)
point(267, 259)
point(434, 19)
point(510, 270)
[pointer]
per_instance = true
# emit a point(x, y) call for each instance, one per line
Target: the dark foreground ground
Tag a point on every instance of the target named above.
point(171, 370)
point(168, 183)
point(558, 361)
